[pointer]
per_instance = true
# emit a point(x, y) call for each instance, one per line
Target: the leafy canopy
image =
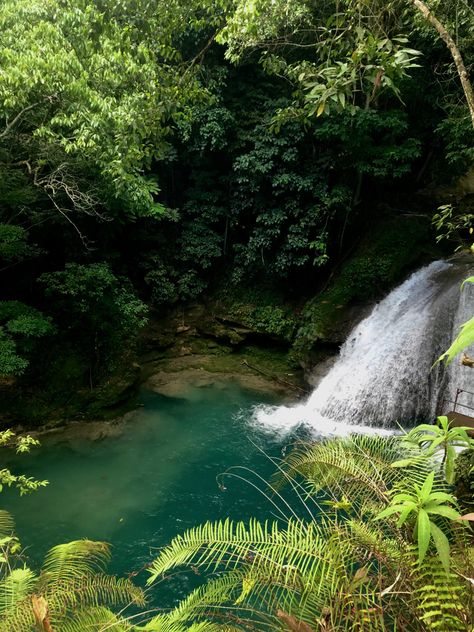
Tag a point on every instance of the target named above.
point(87, 95)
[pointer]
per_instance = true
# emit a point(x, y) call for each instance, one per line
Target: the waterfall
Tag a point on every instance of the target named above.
point(384, 373)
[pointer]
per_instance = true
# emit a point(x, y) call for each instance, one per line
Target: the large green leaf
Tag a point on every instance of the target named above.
point(442, 545)
point(464, 339)
point(424, 534)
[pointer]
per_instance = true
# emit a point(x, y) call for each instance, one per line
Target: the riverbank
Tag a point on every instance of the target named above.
point(264, 372)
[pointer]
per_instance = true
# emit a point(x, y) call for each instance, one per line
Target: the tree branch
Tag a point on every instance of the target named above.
point(9, 126)
point(453, 49)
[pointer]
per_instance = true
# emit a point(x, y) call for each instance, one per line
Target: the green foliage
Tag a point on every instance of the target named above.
point(72, 587)
point(451, 225)
point(21, 326)
point(88, 92)
point(292, 185)
point(421, 505)
point(457, 134)
point(349, 567)
point(129, 137)
point(285, 200)
point(442, 438)
point(10, 362)
point(98, 307)
point(14, 243)
point(360, 53)
point(273, 321)
point(463, 340)
point(95, 618)
point(24, 484)
point(464, 479)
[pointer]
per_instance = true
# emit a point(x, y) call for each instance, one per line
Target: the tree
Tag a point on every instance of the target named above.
point(87, 95)
point(358, 51)
point(454, 50)
point(100, 310)
point(21, 327)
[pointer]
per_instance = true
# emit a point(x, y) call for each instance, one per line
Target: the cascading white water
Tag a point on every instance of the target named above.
point(383, 374)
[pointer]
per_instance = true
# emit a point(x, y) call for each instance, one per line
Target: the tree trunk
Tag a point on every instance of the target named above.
point(455, 52)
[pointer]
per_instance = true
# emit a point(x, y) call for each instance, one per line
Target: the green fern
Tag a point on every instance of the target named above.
point(97, 619)
point(223, 545)
point(439, 598)
point(353, 466)
point(15, 588)
point(75, 560)
point(341, 571)
point(7, 524)
point(71, 582)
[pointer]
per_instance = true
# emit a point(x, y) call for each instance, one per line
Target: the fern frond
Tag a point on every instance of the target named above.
point(300, 569)
point(164, 625)
point(19, 618)
point(223, 589)
point(7, 524)
point(355, 465)
point(300, 548)
point(67, 597)
point(371, 541)
point(74, 561)
point(15, 588)
point(94, 591)
point(439, 597)
point(97, 619)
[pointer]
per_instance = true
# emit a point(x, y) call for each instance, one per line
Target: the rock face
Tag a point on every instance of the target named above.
point(382, 259)
point(459, 192)
point(205, 344)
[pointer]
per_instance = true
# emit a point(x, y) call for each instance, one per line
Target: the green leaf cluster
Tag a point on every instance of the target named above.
point(21, 326)
point(349, 566)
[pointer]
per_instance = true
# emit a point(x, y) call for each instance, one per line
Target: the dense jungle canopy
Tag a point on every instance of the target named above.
point(152, 153)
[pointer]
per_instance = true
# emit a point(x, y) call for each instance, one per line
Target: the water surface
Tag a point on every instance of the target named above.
point(140, 489)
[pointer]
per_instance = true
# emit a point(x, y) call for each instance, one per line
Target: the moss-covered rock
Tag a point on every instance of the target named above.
point(379, 262)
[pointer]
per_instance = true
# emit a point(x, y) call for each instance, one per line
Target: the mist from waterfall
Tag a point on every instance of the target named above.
point(383, 374)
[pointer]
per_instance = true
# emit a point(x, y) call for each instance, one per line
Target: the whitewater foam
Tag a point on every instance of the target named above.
point(383, 376)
